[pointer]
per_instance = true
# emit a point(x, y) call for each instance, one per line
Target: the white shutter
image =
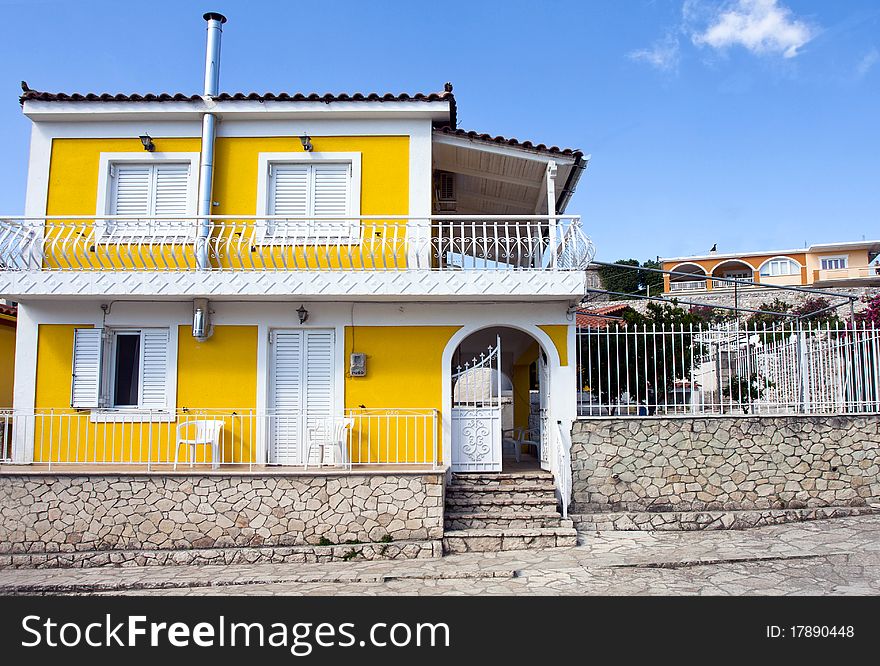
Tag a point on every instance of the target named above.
point(171, 196)
point(318, 396)
point(154, 368)
point(287, 432)
point(331, 189)
point(289, 196)
point(131, 196)
point(86, 381)
point(131, 192)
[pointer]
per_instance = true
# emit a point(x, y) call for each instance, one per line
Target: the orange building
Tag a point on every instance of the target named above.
point(848, 264)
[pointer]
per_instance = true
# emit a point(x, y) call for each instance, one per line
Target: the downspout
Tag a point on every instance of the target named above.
point(209, 122)
point(571, 183)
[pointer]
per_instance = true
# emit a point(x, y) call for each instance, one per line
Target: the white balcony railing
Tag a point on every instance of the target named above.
point(855, 273)
point(229, 243)
point(238, 438)
point(731, 283)
point(687, 285)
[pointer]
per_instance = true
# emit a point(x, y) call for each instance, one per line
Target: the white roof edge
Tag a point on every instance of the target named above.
point(816, 247)
point(502, 148)
point(38, 110)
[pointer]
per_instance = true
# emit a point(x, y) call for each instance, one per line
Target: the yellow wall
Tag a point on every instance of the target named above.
point(404, 370)
point(559, 334)
point(73, 190)
point(221, 372)
point(522, 386)
point(7, 361)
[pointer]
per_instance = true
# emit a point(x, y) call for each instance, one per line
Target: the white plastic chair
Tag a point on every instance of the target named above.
point(519, 437)
point(199, 433)
point(330, 434)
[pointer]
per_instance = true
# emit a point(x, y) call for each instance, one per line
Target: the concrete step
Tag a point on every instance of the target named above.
point(479, 497)
point(493, 540)
point(533, 483)
point(502, 478)
point(500, 505)
point(461, 520)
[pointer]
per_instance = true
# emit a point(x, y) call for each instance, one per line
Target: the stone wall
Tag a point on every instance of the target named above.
point(79, 520)
point(754, 297)
point(725, 463)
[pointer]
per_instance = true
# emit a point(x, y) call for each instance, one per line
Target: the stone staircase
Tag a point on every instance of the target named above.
point(504, 511)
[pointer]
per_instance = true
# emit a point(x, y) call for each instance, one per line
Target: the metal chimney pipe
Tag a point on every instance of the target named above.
point(206, 163)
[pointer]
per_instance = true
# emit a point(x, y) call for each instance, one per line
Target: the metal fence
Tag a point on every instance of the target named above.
point(275, 243)
point(213, 438)
point(791, 368)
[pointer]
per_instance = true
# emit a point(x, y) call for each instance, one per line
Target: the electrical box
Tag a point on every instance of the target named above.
point(358, 365)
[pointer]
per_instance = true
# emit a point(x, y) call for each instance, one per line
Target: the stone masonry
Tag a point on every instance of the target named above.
point(77, 520)
point(724, 463)
point(754, 297)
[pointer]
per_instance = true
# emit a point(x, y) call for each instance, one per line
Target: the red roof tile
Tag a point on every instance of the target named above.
point(600, 317)
point(326, 98)
point(488, 138)
point(8, 310)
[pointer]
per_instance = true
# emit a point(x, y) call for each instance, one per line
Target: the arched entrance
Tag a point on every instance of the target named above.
point(500, 413)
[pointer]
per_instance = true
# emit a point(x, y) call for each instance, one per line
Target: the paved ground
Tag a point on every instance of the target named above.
point(840, 556)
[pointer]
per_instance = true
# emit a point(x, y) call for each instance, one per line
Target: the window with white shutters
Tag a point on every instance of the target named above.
point(121, 369)
point(308, 191)
point(141, 191)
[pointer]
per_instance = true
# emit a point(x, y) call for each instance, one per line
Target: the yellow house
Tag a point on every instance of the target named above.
point(289, 280)
point(846, 264)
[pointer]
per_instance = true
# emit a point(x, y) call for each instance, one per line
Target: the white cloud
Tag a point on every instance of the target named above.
point(663, 54)
point(761, 26)
point(865, 65)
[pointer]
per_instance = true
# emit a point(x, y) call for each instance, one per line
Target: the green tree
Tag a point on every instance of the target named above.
point(628, 277)
point(643, 358)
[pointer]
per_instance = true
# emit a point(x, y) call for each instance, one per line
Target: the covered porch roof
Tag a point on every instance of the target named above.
point(499, 176)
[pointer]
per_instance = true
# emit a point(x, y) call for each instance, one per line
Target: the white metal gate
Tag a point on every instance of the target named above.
point(544, 409)
point(476, 413)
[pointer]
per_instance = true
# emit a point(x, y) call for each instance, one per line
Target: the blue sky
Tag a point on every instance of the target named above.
point(748, 123)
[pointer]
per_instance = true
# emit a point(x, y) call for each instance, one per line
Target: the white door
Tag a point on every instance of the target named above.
point(544, 409)
point(301, 390)
point(476, 413)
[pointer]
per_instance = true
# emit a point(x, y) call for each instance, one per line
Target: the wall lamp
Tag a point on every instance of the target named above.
point(147, 140)
point(303, 314)
point(306, 141)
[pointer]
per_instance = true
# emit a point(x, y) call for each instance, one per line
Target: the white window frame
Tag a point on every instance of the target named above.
point(112, 370)
point(844, 258)
point(105, 189)
point(266, 160)
point(130, 414)
point(769, 263)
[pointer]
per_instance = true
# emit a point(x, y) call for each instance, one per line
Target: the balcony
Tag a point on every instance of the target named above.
point(205, 438)
point(857, 276)
point(732, 283)
point(386, 256)
point(688, 285)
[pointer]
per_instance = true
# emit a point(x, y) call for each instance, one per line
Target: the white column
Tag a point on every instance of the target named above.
point(418, 228)
point(24, 391)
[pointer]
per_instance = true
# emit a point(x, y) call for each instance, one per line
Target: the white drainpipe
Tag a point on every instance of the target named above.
point(209, 121)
